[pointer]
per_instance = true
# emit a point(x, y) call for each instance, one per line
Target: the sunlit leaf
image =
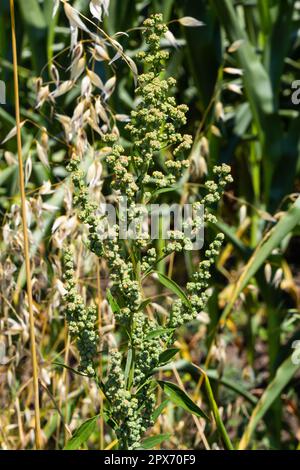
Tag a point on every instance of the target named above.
point(181, 399)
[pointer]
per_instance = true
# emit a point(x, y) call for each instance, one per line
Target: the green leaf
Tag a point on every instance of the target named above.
point(181, 399)
point(108, 419)
point(51, 23)
point(204, 48)
point(153, 441)
point(232, 385)
point(167, 355)
point(258, 88)
point(128, 365)
point(231, 237)
point(164, 190)
point(121, 15)
point(170, 284)
point(159, 332)
point(36, 30)
point(284, 374)
point(112, 302)
point(82, 434)
point(278, 44)
point(158, 411)
point(165, 8)
point(265, 17)
point(286, 224)
point(188, 367)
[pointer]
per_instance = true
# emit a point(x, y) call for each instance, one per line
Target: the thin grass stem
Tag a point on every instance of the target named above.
point(38, 441)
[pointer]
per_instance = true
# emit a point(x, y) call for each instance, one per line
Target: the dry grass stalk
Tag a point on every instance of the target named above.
point(25, 234)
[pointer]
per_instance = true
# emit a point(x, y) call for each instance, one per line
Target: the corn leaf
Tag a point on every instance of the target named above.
point(287, 223)
point(36, 30)
point(258, 89)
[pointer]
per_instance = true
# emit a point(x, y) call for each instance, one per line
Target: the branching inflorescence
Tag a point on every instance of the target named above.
point(153, 127)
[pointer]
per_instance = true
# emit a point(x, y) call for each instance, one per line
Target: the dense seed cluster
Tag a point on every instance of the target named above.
point(154, 124)
point(132, 412)
point(81, 319)
point(184, 312)
point(87, 213)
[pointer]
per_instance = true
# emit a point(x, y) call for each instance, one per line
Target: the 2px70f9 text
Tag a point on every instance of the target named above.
point(151, 459)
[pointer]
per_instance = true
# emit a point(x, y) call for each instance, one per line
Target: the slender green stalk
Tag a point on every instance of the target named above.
point(99, 304)
point(215, 411)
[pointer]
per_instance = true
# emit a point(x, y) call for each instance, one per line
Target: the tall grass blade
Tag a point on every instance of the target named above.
point(273, 238)
point(284, 374)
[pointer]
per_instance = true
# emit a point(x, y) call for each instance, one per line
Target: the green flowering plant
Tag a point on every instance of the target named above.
point(130, 387)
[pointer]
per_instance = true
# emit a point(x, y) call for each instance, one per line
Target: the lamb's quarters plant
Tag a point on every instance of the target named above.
point(130, 387)
point(238, 84)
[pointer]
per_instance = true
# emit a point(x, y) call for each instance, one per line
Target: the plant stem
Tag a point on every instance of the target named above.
point(25, 235)
point(99, 303)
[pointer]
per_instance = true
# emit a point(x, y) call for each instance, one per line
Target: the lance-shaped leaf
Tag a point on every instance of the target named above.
point(154, 441)
point(82, 434)
point(181, 399)
point(170, 284)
